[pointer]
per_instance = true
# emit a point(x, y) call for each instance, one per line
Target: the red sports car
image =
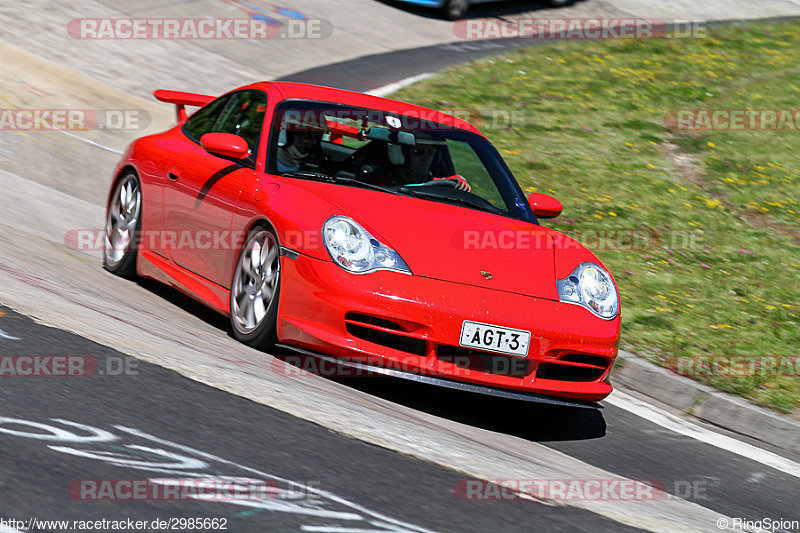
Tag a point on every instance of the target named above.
point(382, 234)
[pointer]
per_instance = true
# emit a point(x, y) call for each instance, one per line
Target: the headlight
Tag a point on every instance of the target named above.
point(592, 287)
point(355, 250)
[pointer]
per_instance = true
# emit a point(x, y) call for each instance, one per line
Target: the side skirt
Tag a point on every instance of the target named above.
point(154, 266)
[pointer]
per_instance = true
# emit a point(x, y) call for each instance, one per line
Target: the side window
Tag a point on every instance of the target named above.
point(240, 113)
point(244, 116)
point(203, 120)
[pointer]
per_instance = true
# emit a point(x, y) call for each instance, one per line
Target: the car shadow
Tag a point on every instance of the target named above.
point(527, 420)
point(185, 303)
point(483, 10)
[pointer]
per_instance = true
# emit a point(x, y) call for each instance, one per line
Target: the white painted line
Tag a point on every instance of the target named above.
point(338, 529)
point(397, 524)
point(4, 335)
point(101, 146)
point(396, 86)
point(684, 427)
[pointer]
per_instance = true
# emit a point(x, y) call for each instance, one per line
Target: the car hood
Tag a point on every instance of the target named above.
point(452, 243)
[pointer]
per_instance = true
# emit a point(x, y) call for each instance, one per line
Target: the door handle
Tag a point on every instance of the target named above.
point(172, 175)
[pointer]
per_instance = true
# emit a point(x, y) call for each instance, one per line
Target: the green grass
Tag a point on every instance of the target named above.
point(588, 126)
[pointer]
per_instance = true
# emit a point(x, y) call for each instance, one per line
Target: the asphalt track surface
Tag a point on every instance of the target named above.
point(390, 490)
point(325, 480)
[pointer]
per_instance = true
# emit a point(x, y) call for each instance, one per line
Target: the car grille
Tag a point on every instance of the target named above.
point(491, 363)
point(383, 332)
point(573, 367)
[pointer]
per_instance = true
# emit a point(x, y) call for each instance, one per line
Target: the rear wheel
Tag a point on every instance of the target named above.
point(255, 289)
point(123, 222)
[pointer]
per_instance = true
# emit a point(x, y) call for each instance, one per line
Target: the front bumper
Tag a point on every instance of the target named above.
point(412, 323)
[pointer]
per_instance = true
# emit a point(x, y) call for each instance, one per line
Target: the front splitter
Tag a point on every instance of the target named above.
point(446, 383)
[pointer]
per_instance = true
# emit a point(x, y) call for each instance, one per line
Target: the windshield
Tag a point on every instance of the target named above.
point(394, 153)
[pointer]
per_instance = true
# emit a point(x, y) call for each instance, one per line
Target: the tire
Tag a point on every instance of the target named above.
point(454, 9)
point(123, 223)
point(255, 289)
point(557, 3)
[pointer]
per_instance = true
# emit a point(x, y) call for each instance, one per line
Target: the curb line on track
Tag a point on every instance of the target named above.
point(706, 403)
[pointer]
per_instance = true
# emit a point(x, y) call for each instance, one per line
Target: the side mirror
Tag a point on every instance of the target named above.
point(225, 144)
point(544, 205)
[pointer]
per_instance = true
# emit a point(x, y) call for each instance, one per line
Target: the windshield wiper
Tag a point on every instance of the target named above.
point(337, 179)
point(452, 199)
point(306, 174)
point(353, 181)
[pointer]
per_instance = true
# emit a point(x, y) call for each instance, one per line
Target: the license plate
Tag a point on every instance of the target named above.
point(495, 338)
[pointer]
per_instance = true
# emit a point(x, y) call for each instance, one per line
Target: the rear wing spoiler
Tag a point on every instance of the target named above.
point(182, 99)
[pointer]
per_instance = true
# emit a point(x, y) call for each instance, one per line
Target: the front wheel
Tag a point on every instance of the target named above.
point(123, 221)
point(255, 289)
